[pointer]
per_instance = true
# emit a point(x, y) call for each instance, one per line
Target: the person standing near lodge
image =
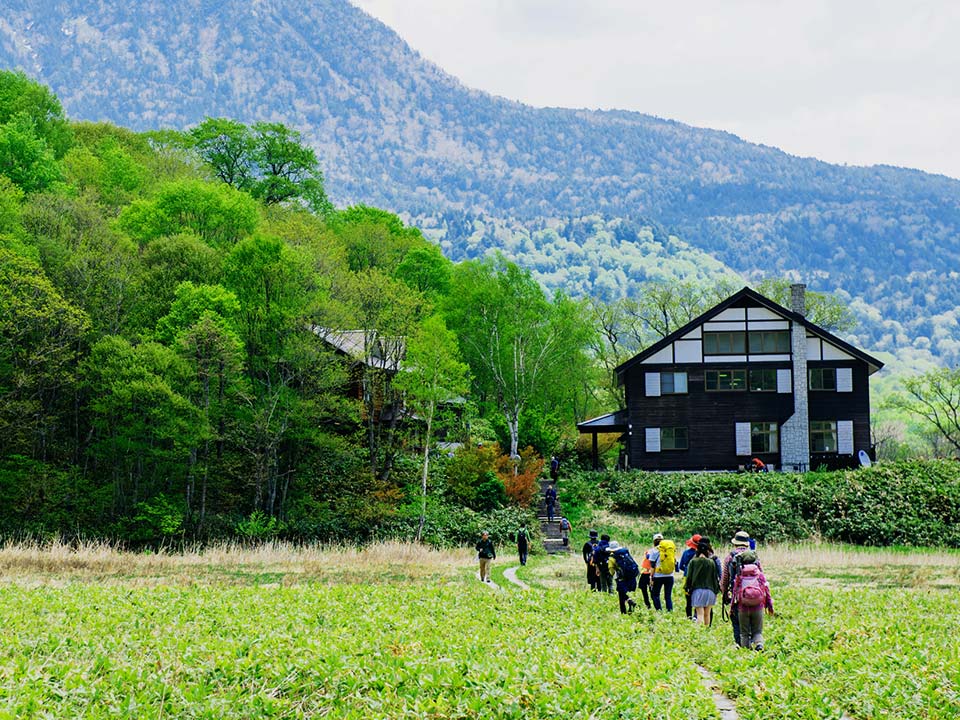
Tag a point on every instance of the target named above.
point(740, 555)
point(702, 584)
point(550, 498)
point(687, 556)
point(522, 543)
point(593, 577)
point(485, 553)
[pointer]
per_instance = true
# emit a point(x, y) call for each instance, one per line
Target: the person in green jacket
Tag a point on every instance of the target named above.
point(702, 582)
point(486, 554)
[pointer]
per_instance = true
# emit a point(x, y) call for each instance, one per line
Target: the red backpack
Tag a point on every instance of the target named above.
point(748, 590)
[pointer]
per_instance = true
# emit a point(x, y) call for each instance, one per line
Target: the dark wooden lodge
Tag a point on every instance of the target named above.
point(748, 378)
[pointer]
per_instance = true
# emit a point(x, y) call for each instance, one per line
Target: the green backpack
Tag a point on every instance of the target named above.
point(668, 558)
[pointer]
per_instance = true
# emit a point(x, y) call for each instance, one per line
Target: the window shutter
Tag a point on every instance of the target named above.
point(844, 379)
point(784, 380)
point(653, 439)
point(653, 384)
point(743, 438)
point(845, 437)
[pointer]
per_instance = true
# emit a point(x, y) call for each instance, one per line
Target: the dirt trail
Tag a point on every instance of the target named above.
point(511, 575)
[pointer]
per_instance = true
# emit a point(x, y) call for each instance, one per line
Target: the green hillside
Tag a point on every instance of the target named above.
point(395, 131)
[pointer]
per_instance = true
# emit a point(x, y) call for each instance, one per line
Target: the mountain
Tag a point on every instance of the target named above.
point(590, 200)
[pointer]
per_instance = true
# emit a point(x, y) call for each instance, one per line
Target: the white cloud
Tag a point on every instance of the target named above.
point(861, 82)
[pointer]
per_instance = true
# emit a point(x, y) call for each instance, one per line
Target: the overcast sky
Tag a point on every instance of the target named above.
point(847, 81)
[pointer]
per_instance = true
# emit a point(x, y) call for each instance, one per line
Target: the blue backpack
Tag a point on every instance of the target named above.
point(628, 566)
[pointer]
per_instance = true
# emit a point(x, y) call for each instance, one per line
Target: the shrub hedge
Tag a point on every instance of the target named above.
point(906, 503)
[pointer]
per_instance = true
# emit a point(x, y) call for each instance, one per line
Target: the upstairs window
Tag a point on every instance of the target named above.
point(823, 436)
point(673, 383)
point(769, 342)
point(822, 378)
point(724, 343)
point(763, 380)
point(673, 438)
point(764, 437)
point(721, 380)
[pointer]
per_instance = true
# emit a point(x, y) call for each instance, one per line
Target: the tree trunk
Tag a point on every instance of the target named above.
point(426, 470)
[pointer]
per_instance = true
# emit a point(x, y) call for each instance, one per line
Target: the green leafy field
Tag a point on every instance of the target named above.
point(305, 644)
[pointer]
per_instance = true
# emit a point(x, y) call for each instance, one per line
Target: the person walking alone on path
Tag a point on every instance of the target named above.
point(550, 497)
point(485, 553)
point(554, 468)
point(565, 528)
point(702, 583)
point(593, 577)
point(522, 544)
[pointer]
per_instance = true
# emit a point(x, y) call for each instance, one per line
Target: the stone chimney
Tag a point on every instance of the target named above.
point(795, 432)
point(798, 301)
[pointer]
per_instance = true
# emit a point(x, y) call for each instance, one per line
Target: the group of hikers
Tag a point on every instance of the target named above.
point(737, 581)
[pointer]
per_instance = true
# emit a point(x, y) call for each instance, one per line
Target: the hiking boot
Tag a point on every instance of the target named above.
point(631, 604)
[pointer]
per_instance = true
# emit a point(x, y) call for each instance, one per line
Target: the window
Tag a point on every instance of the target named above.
point(724, 343)
point(763, 437)
point(673, 383)
point(726, 380)
point(823, 378)
point(769, 341)
point(763, 380)
point(673, 438)
point(823, 436)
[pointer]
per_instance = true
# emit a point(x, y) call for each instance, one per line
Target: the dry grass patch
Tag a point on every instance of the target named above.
point(269, 563)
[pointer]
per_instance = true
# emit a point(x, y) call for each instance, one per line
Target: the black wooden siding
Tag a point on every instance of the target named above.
point(710, 417)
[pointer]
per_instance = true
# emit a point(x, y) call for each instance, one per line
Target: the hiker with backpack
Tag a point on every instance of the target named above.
point(664, 560)
point(593, 577)
point(601, 556)
point(751, 594)
point(646, 576)
point(485, 553)
point(682, 564)
point(702, 582)
point(625, 569)
point(522, 543)
point(565, 528)
point(550, 498)
point(739, 556)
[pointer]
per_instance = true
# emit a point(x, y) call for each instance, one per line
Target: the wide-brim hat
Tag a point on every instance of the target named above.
point(594, 533)
point(741, 539)
point(692, 542)
point(658, 536)
point(614, 545)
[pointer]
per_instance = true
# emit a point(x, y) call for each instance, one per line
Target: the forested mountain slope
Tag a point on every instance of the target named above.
point(575, 194)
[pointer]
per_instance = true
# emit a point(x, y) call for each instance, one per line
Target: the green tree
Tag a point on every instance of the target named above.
point(191, 303)
point(25, 157)
point(21, 96)
point(511, 335)
point(386, 312)
point(40, 334)
point(824, 309)
point(227, 146)
point(934, 398)
point(217, 214)
point(431, 374)
point(426, 269)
